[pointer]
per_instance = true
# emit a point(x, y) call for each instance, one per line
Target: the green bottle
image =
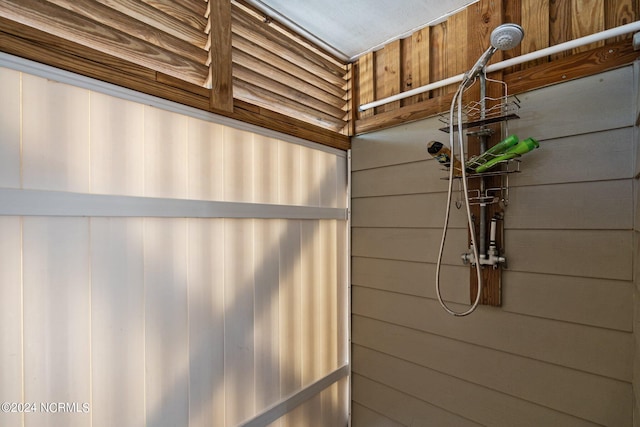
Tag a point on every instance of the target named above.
point(473, 163)
point(516, 151)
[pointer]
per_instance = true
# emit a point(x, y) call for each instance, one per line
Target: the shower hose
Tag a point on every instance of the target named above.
point(458, 97)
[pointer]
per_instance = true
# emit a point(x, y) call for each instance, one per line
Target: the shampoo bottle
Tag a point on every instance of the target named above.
point(518, 150)
point(492, 153)
point(443, 155)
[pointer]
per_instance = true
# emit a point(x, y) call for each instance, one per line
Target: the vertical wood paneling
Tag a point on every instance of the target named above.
point(587, 17)
point(388, 76)
point(55, 134)
point(512, 12)
point(166, 322)
point(559, 24)
point(239, 345)
point(535, 23)
point(10, 112)
point(117, 144)
point(238, 165)
point(420, 61)
point(482, 18)
point(620, 12)
point(267, 311)
point(220, 55)
point(406, 47)
point(437, 54)
point(11, 355)
point(117, 322)
point(366, 82)
point(165, 154)
point(206, 322)
point(457, 44)
point(205, 162)
point(57, 318)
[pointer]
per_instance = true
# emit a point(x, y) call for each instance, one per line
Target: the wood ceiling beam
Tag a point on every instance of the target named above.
point(221, 60)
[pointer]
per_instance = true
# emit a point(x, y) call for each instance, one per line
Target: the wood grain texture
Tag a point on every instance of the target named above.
point(366, 82)
point(535, 23)
point(221, 73)
point(30, 43)
point(416, 64)
point(587, 17)
point(158, 24)
point(482, 18)
point(293, 95)
point(562, 70)
point(190, 12)
point(437, 55)
point(251, 28)
point(56, 20)
point(271, 66)
point(298, 43)
point(269, 100)
point(388, 76)
point(620, 12)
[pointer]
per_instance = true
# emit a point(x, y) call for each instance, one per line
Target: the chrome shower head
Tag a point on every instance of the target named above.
point(506, 36)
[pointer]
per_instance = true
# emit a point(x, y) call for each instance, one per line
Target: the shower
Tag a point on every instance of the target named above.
point(503, 37)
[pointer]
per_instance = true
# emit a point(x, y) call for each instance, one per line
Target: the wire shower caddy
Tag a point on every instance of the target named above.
point(476, 116)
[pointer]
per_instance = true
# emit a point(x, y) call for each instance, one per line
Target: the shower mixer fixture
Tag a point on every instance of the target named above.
point(503, 37)
point(492, 256)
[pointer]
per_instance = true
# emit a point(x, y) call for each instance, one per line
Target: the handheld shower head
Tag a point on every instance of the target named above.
point(503, 37)
point(507, 36)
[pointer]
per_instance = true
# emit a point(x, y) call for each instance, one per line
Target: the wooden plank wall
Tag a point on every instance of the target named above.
point(441, 51)
point(276, 69)
point(247, 66)
point(560, 351)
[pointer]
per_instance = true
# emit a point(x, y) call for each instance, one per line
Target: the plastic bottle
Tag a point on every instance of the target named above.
point(492, 152)
point(521, 148)
point(443, 155)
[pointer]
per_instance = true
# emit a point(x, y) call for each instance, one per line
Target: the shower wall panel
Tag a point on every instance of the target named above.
point(560, 350)
point(155, 317)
